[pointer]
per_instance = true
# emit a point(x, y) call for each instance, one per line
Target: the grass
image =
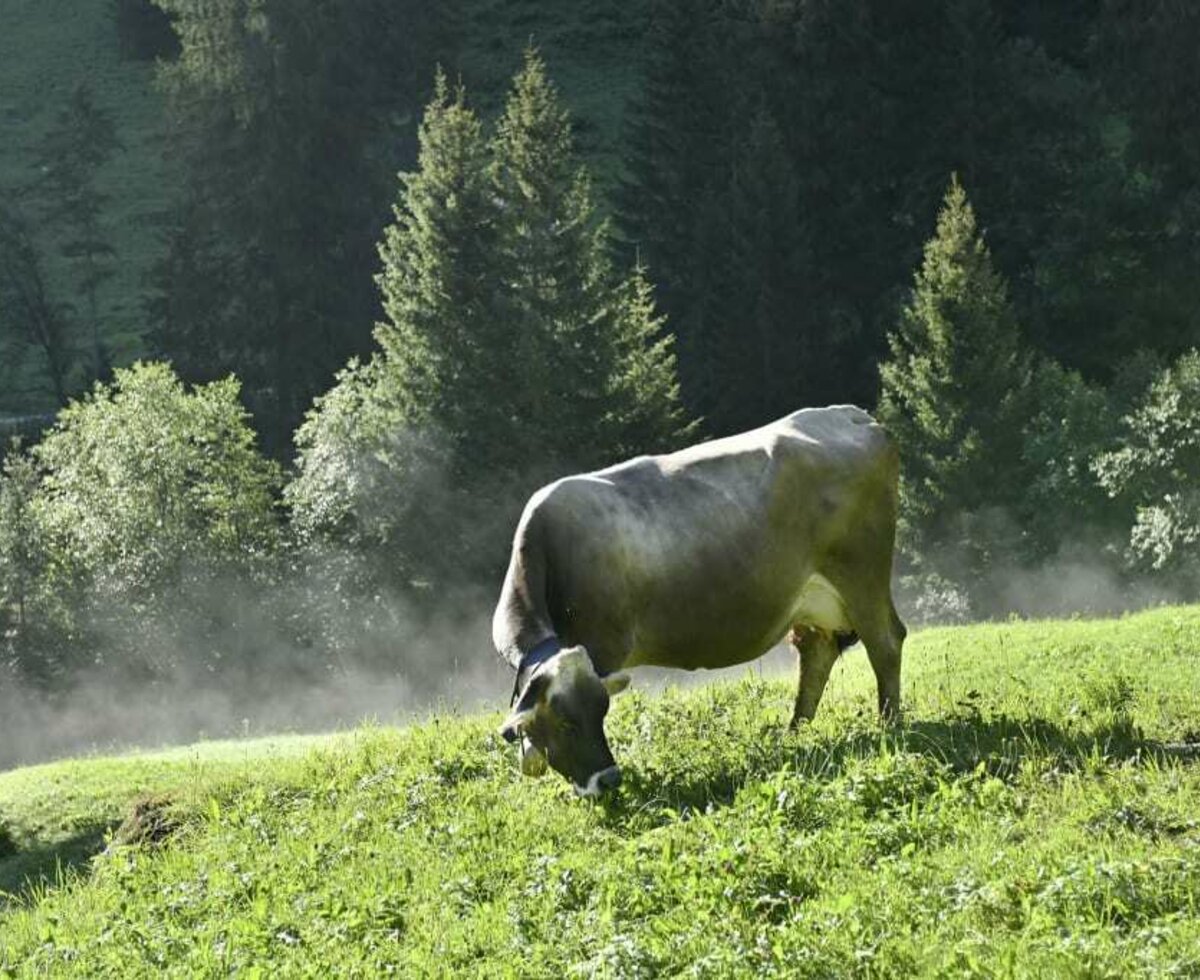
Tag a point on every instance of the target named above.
point(1035, 815)
point(47, 47)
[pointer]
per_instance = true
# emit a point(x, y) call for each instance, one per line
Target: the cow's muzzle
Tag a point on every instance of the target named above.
point(600, 782)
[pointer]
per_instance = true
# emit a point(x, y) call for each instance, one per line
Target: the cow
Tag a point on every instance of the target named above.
point(702, 558)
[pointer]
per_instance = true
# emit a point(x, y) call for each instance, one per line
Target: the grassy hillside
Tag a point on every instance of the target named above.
point(1036, 814)
point(47, 47)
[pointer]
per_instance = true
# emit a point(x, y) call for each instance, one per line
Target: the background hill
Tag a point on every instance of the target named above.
point(1035, 814)
point(49, 49)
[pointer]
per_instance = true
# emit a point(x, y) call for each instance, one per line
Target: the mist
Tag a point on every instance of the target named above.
point(304, 653)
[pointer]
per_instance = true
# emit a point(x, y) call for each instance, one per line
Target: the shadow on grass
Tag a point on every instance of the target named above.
point(999, 745)
point(44, 865)
point(149, 822)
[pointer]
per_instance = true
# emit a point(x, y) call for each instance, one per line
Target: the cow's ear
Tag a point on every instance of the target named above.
point(616, 683)
point(525, 708)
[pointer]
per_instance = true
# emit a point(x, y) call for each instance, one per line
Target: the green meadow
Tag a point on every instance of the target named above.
point(1036, 814)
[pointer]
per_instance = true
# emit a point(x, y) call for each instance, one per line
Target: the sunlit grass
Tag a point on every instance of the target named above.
point(1037, 814)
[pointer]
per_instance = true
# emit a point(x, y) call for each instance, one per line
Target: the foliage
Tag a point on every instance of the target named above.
point(1156, 470)
point(140, 495)
point(143, 478)
point(1067, 421)
point(952, 396)
point(1027, 817)
point(30, 609)
point(366, 479)
point(289, 120)
point(70, 156)
point(512, 351)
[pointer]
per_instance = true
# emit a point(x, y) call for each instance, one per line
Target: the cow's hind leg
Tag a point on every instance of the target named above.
point(817, 650)
point(883, 636)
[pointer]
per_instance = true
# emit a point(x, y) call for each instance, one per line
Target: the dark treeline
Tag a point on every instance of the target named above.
point(786, 157)
point(979, 219)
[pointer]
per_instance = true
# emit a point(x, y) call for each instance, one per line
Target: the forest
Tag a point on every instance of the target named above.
point(283, 351)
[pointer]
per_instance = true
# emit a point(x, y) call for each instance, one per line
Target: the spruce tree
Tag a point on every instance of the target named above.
point(69, 158)
point(442, 331)
point(571, 316)
point(512, 352)
point(952, 396)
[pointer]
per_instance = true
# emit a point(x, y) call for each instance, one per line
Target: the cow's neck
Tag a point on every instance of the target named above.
point(530, 662)
point(537, 656)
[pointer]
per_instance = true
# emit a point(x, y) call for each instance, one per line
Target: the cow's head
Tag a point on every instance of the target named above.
point(559, 718)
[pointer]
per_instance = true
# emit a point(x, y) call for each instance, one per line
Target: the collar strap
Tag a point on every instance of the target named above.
point(530, 662)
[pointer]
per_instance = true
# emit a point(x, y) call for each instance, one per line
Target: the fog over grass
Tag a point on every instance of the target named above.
point(398, 659)
point(394, 657)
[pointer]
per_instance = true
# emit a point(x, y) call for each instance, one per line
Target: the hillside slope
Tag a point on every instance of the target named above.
point(1035, 815)
point(48, 47)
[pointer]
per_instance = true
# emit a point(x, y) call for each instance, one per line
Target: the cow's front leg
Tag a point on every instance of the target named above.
point(817, 651)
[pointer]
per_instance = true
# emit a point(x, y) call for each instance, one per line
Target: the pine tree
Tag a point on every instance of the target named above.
point(571, 317)
point(952, 395)
point(442, 332)
point(512, 351)
point(69, 158)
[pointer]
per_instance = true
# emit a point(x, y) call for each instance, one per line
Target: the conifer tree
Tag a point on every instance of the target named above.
point(512, 351)
point(69, 158)
point(575, 326)
point(438, 258)
point(952, 395)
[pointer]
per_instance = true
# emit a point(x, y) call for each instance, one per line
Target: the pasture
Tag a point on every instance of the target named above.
point(1037, 814)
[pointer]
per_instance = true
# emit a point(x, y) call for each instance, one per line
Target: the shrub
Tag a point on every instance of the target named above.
point(143, 513)
point(1069, 422)
point(144, 480)
point(1155, 471)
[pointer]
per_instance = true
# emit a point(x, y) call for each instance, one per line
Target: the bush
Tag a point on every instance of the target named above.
point(1155, 471)
point(126, 533)
point(145, 480)
point(932, 600)
point(1069, 422)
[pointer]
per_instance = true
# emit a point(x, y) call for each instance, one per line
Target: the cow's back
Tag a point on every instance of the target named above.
point(696, 558)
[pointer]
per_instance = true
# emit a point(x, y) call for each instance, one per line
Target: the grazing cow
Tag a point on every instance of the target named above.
point(706, 557)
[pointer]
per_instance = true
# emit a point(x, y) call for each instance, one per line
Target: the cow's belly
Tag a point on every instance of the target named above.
point(713, 633)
